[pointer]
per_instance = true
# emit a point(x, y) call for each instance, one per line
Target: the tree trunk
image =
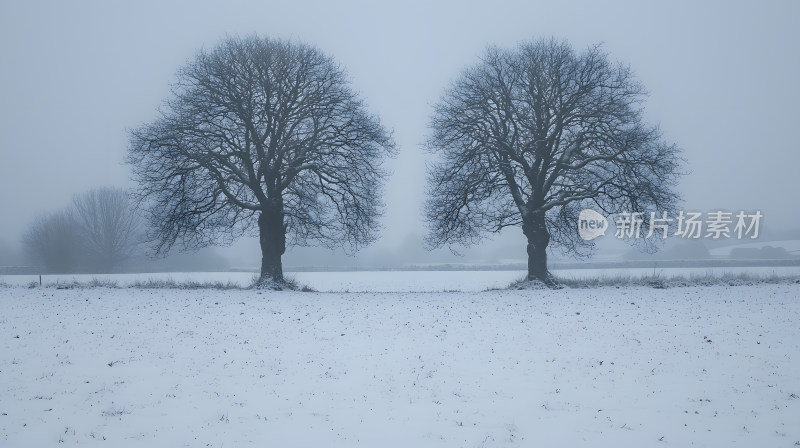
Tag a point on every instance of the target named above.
point(535, 229)
point(272, 236)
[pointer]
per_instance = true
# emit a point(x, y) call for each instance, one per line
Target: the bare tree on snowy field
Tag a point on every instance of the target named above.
point(53, 241)
point(264, 136)
point(530, 136)
point(109, 227)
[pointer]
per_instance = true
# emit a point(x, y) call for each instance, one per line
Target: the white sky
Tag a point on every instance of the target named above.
point(722, 78)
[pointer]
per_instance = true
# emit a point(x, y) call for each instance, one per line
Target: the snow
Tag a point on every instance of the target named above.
point(702, 366)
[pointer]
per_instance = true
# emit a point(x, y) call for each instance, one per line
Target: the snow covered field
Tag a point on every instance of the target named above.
point(703, 366)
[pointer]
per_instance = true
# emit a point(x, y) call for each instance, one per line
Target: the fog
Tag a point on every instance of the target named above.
point(74, 77)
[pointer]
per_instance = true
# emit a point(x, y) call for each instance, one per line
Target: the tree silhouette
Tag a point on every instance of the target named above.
point(262, 136)
point(530, 136)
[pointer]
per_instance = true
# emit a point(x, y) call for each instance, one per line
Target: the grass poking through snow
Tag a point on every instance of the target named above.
point(660, 282)
point(168, 283)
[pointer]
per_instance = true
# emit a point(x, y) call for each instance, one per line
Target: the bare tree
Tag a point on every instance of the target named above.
point(262, 135)
point(530, 136)
point(52, 240)
point(95, 234)
point(109, 227)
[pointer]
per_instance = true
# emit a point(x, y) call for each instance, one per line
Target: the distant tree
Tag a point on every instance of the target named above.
point(109, 227)
point(261, 135)
point(53, 241)
point(761, 253)
point(8, 254)
point(530, 136)
point(96, 233)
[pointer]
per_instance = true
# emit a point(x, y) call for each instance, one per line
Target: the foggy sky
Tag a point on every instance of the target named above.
point(74, 76)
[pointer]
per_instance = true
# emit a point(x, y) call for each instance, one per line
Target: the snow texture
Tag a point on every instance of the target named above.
point(703, 366)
